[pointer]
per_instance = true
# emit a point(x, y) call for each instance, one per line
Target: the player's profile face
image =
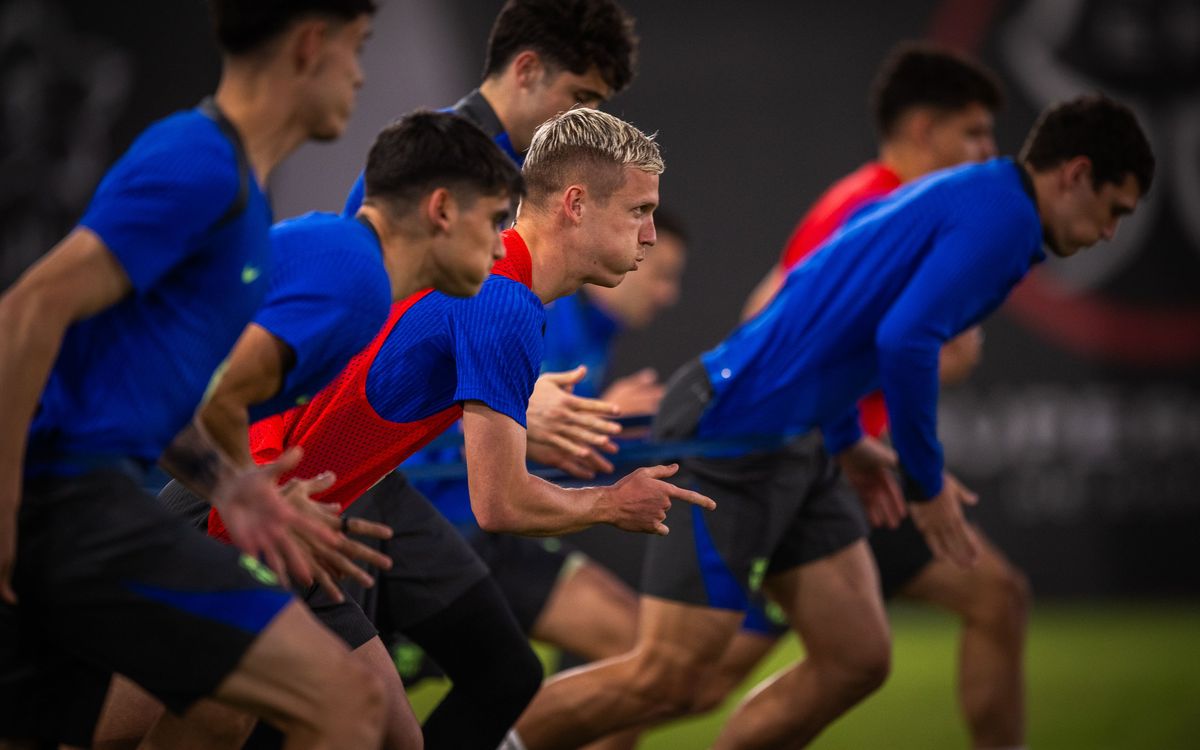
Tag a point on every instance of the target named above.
point(621, 228)
point(963, 135)
point(474, 245)
point(1092, 214)
point(336, 78)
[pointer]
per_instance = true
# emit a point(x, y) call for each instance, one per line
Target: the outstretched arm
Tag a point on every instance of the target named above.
point(506, 497)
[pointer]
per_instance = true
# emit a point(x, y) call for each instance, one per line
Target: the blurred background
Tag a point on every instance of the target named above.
point(1081, 428)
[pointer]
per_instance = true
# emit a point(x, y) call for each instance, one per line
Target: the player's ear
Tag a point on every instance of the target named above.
point(1076, 171)
point(439, 210)
point(919, 126)
point(574, 199)
point(528, 68)
point(305, 43)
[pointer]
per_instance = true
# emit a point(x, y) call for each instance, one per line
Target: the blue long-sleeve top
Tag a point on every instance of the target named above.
point(871, 308)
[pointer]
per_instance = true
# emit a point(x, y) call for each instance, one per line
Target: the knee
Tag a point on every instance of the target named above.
point(1002, 603)
point(668, 685)
point(355, 695)
point(857, 669)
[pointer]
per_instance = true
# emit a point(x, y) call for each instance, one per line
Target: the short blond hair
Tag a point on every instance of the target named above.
point(590, 147)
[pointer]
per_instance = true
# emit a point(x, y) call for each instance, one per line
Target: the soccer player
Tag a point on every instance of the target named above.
point(437, 192)
point(111, 342)
point(871, 308)
point(592, 187)
point(932, 110)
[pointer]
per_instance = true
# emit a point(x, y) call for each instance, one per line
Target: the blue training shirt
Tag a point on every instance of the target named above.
point(579, 333)
point(871, 308)
point(129, 378)
point(329, 296)
point(445, 350)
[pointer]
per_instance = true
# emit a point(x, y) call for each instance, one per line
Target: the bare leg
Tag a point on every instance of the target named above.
point(835, 606)
point(302, 678)
point(127, 716)
point(739, 660)
point(677, 646)
point(590, 613)
point(993, 601)
point(593, 614)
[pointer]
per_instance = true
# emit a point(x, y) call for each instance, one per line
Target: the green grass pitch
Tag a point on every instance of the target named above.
point(1100, 676)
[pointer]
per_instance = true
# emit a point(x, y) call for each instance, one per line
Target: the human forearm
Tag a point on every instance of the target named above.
point(534, 507)
point(197, 462)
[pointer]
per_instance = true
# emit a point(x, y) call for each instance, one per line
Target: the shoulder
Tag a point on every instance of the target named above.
point(337, 255)
point(186, 149)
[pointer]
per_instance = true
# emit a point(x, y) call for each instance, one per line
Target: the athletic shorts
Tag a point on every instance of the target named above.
point(775, 511)
point(432, 565)
point(901, 554)
point(526, 569)
point(344, 618)
point(108, 580)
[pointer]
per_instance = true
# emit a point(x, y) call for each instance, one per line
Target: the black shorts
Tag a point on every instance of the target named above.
point(108, 581)
point(432, 565)
point(526, 569)
point(775, 511)
point(901, 554)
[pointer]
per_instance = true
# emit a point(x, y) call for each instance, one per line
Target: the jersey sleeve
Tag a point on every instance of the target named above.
point(357, 192)
point(326, 308)
point(498, 347)
point(172, 185)
point(842, 432)
point(968, 273)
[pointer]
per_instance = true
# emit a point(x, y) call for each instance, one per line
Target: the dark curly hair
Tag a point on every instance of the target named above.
point(1105, 131)
point(921, 75)
point(243, 26)
point(571, 34)
point(425, 150)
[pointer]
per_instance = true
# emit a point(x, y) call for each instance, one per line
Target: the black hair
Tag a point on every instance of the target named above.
point(244, 26)
point(570, 34)
point(1105, 131)
point(425, 150)
point(920, 75)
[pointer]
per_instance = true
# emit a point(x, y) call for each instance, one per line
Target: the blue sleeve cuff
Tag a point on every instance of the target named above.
point(920, 490)
point(842, 433)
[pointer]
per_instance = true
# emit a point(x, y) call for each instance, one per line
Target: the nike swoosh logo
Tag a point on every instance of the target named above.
point(250, 274)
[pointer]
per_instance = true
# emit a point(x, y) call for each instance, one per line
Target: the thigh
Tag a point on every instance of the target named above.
point(828, 516)
point(527, 570)
point(114, 582)
point(834, 603)
point(962, 590)
point(590, 613)
point(716, 559)
point(432, 565)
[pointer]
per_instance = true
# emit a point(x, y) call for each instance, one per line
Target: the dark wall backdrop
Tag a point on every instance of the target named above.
point(1082, 426)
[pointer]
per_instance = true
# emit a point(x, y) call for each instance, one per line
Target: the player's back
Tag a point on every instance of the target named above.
point(188, 223)
point(329, 296)
point(812, 351)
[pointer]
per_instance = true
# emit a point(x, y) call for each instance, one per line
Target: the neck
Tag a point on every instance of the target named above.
point(502, 98)
point(907, 161)
point(1043, 188)
point(403, 253)
point(546, 239)
point(257, 104)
